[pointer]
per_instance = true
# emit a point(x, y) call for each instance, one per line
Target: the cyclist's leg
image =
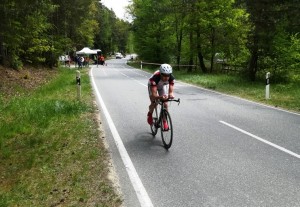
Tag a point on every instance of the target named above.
point(152, 105)
point(162, 92)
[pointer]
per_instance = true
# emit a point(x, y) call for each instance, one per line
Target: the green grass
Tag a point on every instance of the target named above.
point(51, 151)
point(286, 96)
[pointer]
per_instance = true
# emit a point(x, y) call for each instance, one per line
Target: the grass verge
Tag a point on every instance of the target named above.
point(51, 148)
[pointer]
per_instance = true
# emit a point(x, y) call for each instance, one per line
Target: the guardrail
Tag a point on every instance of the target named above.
point(158, 64)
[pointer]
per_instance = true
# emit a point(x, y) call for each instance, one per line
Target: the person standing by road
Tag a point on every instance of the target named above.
point(102, 60)
point(80, 62)
point(157, 89)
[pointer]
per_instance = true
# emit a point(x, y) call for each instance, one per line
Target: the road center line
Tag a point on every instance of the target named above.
point(262, 140)
point(136, 182)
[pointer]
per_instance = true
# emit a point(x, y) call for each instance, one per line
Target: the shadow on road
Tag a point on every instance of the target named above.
point(145, 144)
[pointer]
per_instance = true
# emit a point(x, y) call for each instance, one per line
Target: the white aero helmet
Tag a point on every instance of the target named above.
point(165, 69)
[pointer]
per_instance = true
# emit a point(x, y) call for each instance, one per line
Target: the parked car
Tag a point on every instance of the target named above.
point(119, 55)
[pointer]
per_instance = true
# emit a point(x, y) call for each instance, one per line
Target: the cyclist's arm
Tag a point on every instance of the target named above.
point(154, 94)
point(171, 89)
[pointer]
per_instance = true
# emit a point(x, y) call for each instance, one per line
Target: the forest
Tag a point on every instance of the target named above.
point(37, 32)
point(251, 37)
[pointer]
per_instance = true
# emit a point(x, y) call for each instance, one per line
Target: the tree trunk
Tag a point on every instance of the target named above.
point(212, 49)
point(179, 45)
point(1, 52)
point(200, 56)
point(191, 61)
point(253, 59)
point(201, 62)
point(253, 65)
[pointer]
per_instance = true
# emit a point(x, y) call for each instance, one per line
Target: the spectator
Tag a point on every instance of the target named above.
point(80, 62)
point(86, 61)
point(102, 60)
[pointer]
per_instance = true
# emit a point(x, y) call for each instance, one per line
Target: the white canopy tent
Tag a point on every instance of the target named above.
point(87, 51)
point(97, 50)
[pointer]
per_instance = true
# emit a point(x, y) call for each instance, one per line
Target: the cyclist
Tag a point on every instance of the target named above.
point(157, 89)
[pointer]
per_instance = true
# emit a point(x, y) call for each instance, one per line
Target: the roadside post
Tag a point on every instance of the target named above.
point(141, 65)
point(268, 85)
point(78, 84)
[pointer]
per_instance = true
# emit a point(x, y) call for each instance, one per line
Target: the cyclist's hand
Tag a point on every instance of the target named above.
point(171, 96)
point(165, 97)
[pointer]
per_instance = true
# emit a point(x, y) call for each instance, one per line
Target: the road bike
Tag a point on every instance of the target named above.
point(158, 122)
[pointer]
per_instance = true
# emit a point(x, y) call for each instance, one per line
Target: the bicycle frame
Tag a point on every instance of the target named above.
point(163, 117)
point(162, 108)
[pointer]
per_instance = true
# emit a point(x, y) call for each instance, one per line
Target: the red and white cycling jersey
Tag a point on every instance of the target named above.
point(156, 81)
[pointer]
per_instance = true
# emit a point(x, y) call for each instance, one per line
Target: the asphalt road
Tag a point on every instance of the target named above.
point(226, 151)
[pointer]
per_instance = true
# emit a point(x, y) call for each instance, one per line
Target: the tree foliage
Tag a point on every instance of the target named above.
point(37, 32)
point(24, 25)
point(152, 28)
point(113, 34)
point(257, 35)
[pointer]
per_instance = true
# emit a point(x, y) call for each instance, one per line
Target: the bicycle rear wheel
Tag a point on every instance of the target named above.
point(154, 126)
point(166, 133)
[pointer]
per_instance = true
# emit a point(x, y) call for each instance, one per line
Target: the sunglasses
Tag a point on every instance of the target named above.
point(165, 75)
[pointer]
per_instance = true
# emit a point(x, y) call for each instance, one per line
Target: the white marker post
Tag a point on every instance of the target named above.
point(141, 65)
point(268, 85)
point(78, 84)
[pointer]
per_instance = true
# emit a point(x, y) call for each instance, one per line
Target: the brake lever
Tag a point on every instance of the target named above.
point(178, 100)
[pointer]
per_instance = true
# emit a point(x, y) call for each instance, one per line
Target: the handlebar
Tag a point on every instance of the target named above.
point(167, 100)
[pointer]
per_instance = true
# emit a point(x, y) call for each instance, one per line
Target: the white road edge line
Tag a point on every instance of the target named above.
point(262, 140)
point(136, 182)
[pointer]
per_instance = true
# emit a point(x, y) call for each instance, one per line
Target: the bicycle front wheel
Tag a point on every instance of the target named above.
point(155, 124)
point(166, 129)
